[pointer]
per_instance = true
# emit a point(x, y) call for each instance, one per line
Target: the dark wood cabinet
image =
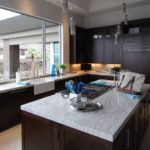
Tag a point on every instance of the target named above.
point(84, 48)
point(132, 134)
point(97, 51)
point(105, 51)
point(117, 51)
point(37, 133)
point(77, 46)
point(124, 140)
point(55, 136)
point(132, 50)
point(136, 54)
point(91, 78)
point(2, 110)
point(108, 51)
point(74, 140)
point(10, 106)
point(136, 129)
point(10, 103)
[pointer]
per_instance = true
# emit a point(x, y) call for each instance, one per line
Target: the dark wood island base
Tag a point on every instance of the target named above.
point(41, 134)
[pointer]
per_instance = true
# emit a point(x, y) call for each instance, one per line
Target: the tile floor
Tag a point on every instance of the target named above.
point(11, 139)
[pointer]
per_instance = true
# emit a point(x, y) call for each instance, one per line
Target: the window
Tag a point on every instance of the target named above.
point(57, 56)
point(1, 59)
point(22, 37)
point(52, 46)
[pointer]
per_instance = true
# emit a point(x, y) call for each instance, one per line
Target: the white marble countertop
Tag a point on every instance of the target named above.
point(105, 123)
point(13, 86)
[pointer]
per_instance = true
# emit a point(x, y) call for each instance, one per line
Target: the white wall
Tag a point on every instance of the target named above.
point(115, 17)
point(38, 8)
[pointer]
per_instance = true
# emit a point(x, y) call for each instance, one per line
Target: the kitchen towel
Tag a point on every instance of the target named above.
point(23, 83)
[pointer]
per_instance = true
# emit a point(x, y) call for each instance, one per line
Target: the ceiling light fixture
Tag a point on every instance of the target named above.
point(72, 26)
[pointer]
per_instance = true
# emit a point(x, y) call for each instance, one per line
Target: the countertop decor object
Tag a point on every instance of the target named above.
point(62, 69)
point(53, 70)
point(131, 82)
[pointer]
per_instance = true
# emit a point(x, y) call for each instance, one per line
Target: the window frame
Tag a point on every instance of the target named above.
point(43, 21)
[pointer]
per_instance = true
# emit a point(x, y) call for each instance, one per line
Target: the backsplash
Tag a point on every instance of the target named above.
point(95, 67)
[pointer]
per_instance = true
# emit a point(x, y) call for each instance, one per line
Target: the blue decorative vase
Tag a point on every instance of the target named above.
point(53, 71)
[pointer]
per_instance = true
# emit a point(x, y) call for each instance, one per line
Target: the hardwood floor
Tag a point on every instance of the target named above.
point(11, 139)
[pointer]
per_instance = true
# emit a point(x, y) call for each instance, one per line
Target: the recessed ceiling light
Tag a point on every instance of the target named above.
point(6, 14)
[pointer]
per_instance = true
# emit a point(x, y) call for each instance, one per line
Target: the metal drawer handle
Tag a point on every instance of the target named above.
point(56, 132)
point(136, 123)
point(128, 138)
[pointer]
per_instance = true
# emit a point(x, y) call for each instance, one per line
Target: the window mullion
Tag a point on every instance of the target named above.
point(44, 46)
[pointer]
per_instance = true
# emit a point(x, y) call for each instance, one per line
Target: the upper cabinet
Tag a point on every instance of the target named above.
point(137, 26)
point(136, 53)
point(95, 46)
point(98, 45)
point(77, 46)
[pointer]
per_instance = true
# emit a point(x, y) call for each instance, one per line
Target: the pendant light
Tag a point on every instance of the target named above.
point(125, 13)
point(72, 26)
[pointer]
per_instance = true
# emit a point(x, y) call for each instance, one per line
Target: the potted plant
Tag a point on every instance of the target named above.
point(116, 69)
point(62, 69)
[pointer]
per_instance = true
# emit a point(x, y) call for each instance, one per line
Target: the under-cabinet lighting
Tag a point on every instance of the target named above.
point(6, 14)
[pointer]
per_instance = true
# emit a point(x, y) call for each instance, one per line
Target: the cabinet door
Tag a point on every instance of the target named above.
point(80, 46)
point(37, 133)
point(124, 140)
point(77, 46)
point(117, 52)
point(108, 50)
point(98, 51)
point(2, 110)
point(72, 49)
point(88, 51)
point(136, 129)
point(142, 121)
point(12, 102)
point(137, 62)
point(74, 140)
point(11, 111)
point(136, 55)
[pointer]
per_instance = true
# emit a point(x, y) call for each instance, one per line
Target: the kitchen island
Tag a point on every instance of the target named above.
point(51, 124)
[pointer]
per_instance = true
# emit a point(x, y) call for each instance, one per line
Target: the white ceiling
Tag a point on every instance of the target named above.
point(87, 7)
point(21, 23)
